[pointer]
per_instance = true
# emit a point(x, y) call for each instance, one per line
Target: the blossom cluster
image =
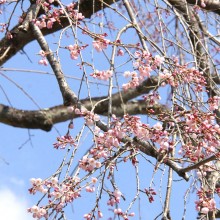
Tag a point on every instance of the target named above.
point(59, 194)
point(150, 194)
point(115, 199)
point(134, 82)
point(204, 204)
point(143, 131)
point(181, 74)
point(145, 64)
point(152, 98)
point(75, 50)
point(53, 15)
point(200, 133)
point(100, 43)
point(91, 118)
point(45, 22)
point(89, 164)
point(102, 75)
point(214, 103)
point(195, 126)
point(3, 26)
point(38, 212)
point(43, 60)
point(89, 216)
point(63, 141)
point(122, 214)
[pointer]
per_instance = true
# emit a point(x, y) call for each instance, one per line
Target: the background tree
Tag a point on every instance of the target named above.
point(155, 59)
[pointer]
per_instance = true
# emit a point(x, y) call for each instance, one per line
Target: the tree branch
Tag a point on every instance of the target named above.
point(69, 97)
point(44, 119)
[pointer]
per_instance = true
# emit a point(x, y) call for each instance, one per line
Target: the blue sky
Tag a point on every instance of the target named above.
point(38, 158)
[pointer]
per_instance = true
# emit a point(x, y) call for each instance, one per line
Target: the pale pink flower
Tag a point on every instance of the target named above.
point(204, 210)
point(203, 4)
point(74, 51)
point(145, 70)
point(100, 214)
point(117, 193)
point(70, 109)
point(118, 211)
point(158, 126)
point(74, 54)
point(102, 75)
point(133, 83)
point(132, 214)
point(127, 74)
point(98, 164)
point(34, 209)
point(137, 54)
point(158, 60)
point(54, 180)
point(90, 189)
point(87, 216)
point(50, 23)
point(42, 53)
point(42, 211)
point(77, 15)
point(100, 44)
point(136, 64)
point(120, 52)
point(77, 111)
point(43, 62)
point(214, 103)
point(43, 24)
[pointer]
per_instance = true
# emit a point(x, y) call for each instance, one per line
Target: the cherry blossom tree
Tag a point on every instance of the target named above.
point(148, 96)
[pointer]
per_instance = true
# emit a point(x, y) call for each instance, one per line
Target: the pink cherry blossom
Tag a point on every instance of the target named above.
point(100, 43)
point(50, 23)
point(100, 214)
point(203, 4)
point(158, 60)
point(120, 52)
point(133, 83)
point(63, 141)
point(145, 70)
point(205, 210)
point(102, 75)
point(43, 62)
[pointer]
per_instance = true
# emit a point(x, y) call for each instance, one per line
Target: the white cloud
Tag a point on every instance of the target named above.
point(12, 207)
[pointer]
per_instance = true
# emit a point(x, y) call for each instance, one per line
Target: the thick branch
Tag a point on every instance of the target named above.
point(151, 151)
point(211, 5)
point(44, 119)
